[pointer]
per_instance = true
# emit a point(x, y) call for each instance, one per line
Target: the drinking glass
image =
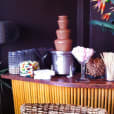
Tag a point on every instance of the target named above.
point(83, 69)
point(82, 55)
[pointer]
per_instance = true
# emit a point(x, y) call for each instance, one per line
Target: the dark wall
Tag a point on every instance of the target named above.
point(37, 20)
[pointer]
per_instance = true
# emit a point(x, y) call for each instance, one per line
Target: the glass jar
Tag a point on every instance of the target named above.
point(13, 62)
point(20, 57)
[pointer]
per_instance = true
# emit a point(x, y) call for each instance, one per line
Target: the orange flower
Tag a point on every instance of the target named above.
point(102, 8)
point(106, 16)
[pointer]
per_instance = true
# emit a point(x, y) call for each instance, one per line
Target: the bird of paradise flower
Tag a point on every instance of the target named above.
point(101, 5)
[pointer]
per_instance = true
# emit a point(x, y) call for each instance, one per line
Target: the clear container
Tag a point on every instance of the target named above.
point(26, 56)
point(20, 56)
point(13, 62)
point(31, 54)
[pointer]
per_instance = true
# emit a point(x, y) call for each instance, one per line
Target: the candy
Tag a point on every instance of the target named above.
point(27, 68)
point(82, 54)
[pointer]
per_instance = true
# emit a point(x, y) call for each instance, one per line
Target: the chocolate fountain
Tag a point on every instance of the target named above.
point(63, 42)
point(62, 56)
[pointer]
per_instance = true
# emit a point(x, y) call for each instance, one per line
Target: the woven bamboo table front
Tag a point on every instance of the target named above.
point(62, 90)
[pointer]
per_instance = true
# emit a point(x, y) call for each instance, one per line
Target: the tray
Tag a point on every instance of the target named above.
point(59, 109)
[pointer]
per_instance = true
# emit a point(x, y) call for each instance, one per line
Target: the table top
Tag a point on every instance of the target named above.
point(65, 81)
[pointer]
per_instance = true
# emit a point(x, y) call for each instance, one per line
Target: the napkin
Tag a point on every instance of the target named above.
point(43, 74)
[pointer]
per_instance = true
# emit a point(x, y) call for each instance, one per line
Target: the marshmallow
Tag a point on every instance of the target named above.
point(82, 54)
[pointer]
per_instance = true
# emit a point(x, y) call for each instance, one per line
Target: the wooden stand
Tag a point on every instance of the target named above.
point(62, 90)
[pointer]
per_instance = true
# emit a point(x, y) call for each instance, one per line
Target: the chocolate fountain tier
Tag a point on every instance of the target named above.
point(62, 22)
point(62, 17)
point(63, 45)
point(63, 34)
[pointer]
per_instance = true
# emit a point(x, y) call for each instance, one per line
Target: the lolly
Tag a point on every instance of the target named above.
point(82, 54)
point(27, 68)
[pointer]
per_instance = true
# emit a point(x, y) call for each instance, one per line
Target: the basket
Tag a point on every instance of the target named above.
point(59, 109)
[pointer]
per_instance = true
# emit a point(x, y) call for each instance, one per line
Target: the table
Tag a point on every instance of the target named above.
point(62, 90)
